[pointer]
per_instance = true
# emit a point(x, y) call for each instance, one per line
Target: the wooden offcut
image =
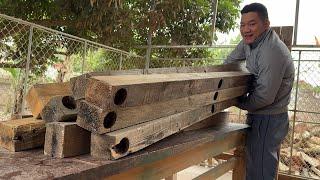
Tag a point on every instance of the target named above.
point(119, 143)
point(108, 92)
point(100, 121)
point(60, 108)
point(22, 134)
point(66, 139)
point(40, 94)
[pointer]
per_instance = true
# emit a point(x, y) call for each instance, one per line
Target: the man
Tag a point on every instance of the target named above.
point(270, 62)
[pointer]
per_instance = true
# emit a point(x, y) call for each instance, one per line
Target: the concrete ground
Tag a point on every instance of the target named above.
point(194, 171)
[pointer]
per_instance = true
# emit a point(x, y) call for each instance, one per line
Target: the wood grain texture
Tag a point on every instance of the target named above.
point(136, 90)
point(60, 108)
point(40, 94)
point(78, 84)
point(66, 139)
point(163, 158)
point(219, 119)
point(96, 120)
point(120, 143)
point(22, 134)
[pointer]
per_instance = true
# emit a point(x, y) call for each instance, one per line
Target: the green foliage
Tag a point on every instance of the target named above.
point(123, 24)
point(127, 25)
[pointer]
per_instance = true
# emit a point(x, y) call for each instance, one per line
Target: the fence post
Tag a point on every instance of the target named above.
point(26, 77)
point(294, 113)
point(84, 55)
point(120, 63)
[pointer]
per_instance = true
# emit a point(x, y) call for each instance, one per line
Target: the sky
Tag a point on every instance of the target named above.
point(282, 13)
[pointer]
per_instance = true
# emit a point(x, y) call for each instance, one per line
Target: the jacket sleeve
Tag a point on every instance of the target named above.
point(238, 54)
point(271, 65)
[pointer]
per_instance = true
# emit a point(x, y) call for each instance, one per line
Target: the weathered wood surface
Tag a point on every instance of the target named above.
point(66, 139)
point(164, 158)
point(219, 119)
point(60, 108)
point(285, 33)
point(108, 92)
point(120, 143)
point(40, 94)
point(22, 134)
point(79, 84)
point(100, 121)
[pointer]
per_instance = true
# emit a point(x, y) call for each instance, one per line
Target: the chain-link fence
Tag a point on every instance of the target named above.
point(32, 54)
point(300, 151)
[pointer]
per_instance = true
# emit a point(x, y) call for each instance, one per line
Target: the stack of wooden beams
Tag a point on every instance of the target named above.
point(114, 114)
point(126, 113)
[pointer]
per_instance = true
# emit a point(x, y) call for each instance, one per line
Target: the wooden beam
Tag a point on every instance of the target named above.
point(60, 108)
point(102, 121)
point(66, 139)
point(224, 156)
point(40, 94)
point(218, 171)
point(239, 172)
point(22, 134)
point(172, 164)
point(216, 120)
point(109, 92)
point(136, 90)
point(119, 143)
point(159, 159)
point(79, 83)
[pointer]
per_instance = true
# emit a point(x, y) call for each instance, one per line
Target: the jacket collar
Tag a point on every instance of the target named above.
point(259, 39)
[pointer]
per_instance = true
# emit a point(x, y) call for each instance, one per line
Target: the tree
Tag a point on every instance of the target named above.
point(125, 24)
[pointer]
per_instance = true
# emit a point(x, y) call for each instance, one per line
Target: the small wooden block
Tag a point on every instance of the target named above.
point(22, 134)
point(66, 139)
point(119, 143)
point(101, 121)
point(60, 108)
point(40, 94)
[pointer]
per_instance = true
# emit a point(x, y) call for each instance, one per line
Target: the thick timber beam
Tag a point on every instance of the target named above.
point(109, 92)
point(60, 108)
point(40, 94)
point(101, 121)
point(119, 143)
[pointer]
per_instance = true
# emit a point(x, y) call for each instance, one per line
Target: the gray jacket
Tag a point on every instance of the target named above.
point(269, 60)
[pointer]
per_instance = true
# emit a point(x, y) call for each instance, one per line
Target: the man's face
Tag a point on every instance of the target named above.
point(251, 27)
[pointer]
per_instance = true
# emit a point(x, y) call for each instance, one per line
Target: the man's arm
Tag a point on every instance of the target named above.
point(272, 66)
point(238, 54)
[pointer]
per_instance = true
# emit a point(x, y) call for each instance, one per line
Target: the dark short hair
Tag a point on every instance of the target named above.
point(258, 8)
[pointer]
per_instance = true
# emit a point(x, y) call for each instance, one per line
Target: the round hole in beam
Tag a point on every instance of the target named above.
point(122, 147)
point(120, 96)
point(212, 108)
point(69, 102)
point(110, 119)
point(220, 83)
point(215, 97)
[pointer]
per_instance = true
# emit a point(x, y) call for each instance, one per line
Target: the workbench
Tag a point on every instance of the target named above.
point(160, 160)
